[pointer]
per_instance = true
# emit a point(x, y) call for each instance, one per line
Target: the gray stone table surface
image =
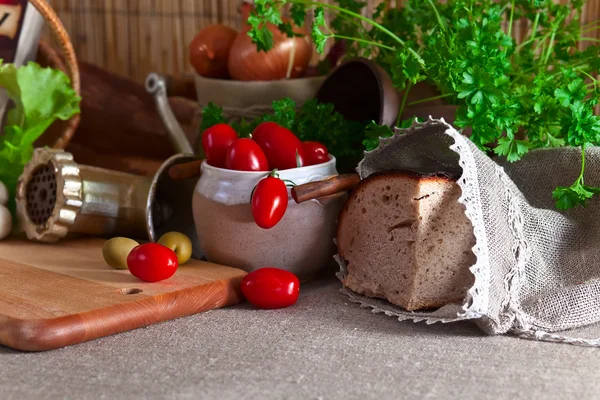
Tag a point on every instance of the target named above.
point(324, 347)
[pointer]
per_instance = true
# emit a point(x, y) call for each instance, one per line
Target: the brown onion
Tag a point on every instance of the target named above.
point(209, 50)
point(288, 58)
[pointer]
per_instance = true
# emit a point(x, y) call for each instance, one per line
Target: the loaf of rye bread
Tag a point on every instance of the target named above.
point(405, 238)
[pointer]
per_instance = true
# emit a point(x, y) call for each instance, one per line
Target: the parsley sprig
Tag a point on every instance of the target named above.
point(516, 97)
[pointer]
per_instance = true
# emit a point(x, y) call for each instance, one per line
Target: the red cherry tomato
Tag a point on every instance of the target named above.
point(246, 155)
point(282, 148)
point(269, 202)
point(262, 128)
point(215, 142)
point(315, 153)
point(271, 288)
point(152, 262)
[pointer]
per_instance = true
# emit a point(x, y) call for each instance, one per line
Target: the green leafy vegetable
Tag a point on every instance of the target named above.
point(515, 96)
point(212, 114)
point(298, 14)
point(319, 26)
point(374, 132)
point(568, 197)
point(40, 97)
point(284, 113)
point(348, 27)
point(258, 20)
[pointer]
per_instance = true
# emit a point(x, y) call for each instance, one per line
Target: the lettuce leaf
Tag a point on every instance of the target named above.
point(40, 97)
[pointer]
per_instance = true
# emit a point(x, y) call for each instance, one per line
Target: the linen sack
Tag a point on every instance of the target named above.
point(538, 268)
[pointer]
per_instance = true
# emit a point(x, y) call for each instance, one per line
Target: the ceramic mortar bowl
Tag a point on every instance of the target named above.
point(302, 242)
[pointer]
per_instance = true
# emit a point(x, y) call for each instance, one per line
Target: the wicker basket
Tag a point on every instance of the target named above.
point(61, 132)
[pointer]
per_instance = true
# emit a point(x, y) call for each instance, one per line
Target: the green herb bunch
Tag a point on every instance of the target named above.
point(312, 121)
point(538, 93)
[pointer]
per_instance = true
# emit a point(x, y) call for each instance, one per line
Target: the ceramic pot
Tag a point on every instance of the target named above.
point(302, 242)
point(361, 90)
point(235, 95)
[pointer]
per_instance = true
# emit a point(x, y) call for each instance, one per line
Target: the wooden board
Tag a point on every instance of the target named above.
point(58, 295)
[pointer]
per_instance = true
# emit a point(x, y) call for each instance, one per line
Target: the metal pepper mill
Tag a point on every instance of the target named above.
point(56, 197)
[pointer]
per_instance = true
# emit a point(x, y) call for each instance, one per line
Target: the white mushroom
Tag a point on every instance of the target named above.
point(5, 217)
point(5, 222)
point(3, 194)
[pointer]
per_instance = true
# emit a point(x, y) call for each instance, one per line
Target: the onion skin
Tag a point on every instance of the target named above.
point(247, 64)
point(209, 51)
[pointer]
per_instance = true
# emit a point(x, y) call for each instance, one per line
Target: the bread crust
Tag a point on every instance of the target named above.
point(440, 177)
point(436, 176)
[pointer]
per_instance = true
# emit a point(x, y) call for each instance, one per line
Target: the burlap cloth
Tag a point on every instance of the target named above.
point(537, 268)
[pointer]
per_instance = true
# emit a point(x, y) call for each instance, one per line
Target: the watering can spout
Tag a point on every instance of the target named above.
point(156, 85)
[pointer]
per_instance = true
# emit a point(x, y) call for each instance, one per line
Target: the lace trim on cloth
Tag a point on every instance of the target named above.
point(476, 304)
point(553, 338)
point(477, 297)
point(506, 314)
point(511, 305)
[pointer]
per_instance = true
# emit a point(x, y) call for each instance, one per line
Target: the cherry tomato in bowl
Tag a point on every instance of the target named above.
point(152, 262)
point(215, 142)
point(282, 148)
point(271, 288)
point(315, 153)
point(262, 128)
point(246, 155)
point(269, 201)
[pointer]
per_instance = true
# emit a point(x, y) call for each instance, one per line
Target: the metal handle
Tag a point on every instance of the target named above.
point(156, 85)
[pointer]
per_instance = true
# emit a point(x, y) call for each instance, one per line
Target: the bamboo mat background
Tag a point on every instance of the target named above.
point(136, 37)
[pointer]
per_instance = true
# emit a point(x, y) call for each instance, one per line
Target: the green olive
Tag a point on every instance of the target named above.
point(179, 243)
point(116, 250)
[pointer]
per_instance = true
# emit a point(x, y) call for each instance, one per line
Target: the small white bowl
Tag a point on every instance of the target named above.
point(302, 242)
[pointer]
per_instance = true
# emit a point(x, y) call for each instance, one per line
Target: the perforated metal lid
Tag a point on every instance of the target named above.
point(48, 195)
point(41, 194)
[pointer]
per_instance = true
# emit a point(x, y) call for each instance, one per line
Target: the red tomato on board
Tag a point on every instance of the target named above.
point(215, 142)
point(315, 153)
point(269, 202)
point(262, 128)
point(152, 262)
point(246, 155)
point(271, 288)
point(281, 147)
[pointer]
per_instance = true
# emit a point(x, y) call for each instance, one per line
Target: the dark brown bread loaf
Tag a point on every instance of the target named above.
point(406, 239)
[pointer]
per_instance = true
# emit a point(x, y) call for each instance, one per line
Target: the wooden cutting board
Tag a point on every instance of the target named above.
point(58, 295)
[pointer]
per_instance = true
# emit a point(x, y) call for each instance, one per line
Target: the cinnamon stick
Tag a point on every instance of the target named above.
point(326, 187)
point(187, 170)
